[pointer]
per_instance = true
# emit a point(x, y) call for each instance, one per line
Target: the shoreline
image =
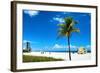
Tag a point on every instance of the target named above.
point(61, 55)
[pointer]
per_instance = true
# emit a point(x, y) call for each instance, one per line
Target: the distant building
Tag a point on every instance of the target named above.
point(81, 50)
point(28, 48)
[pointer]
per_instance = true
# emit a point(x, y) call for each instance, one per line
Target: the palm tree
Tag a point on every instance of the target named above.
point(66, 29)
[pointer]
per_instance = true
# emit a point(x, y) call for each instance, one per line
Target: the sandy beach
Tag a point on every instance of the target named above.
point(61, 55)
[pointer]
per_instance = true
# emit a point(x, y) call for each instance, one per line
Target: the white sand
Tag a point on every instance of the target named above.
point(62, 55)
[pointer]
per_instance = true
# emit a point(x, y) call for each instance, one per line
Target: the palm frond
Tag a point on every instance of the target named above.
point(75, 30)
point(60, 34)
point(68, 21)
point(68, 27)
point(72, 24)
point(61, 25)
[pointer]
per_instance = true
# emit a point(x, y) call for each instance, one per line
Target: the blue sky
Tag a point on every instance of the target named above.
point(40, 29)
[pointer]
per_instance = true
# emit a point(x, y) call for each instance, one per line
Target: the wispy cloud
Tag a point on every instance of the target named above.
point(24, 41)
point(31, 12)
point(88, 46)
point(58, 19)
point(57, 46)
point(32, 42)
point(58, 15)
point(65, 13)
point(73, 46)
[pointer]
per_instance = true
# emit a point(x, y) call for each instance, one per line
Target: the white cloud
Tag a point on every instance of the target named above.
point(32, 42)
point(58, 19)
point(66, 13)
point(25, 41)
point(72, 46)
point(31, 12)
point(58, 15)
point(88, 46)
point(57, 46)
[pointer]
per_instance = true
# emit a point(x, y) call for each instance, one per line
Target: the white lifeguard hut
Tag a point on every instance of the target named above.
point(81, 50)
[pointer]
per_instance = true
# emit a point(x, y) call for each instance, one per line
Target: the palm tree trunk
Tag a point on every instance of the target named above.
point(69, 48)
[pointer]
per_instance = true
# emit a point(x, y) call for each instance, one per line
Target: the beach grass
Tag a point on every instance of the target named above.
point(29, 58)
